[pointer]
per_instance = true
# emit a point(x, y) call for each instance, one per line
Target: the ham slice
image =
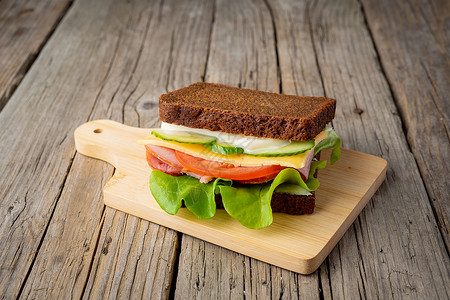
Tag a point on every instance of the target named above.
point(165, 154)
point(305, 170)
point(156, 163)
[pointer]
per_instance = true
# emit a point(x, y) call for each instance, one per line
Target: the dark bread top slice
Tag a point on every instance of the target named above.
point(229, 109)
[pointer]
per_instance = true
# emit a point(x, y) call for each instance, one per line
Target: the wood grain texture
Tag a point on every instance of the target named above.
point(24, 28)
point(181, 60)
point(37, 148)
point(381, 257)
point(37, 127)
point(64, 257)
point(414, 52)
point(108, 48)
point(80, 75)
point(135, 259)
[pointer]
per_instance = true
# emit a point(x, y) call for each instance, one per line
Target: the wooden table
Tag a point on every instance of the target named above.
point(65, 62)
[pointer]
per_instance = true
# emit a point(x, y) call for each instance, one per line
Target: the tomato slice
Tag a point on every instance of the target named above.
point(223, 170)
point(259, 179)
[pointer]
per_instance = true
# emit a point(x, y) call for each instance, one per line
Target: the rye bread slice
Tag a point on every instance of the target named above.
point(286, 203)
point(229, 109)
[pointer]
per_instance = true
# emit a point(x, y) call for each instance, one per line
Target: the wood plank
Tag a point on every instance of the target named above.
point(240, 55)
point(25, 26)
point(37, 129)
point(185, 43)
point(393, 248)
point(135, 258)
point(121, 78)
point(180, 50)
point(414, 54)
point(70, 241)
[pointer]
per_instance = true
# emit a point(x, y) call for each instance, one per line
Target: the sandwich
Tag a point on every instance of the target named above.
point(249, 152)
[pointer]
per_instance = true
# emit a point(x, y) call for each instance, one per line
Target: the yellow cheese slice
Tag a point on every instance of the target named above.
point(197, 150)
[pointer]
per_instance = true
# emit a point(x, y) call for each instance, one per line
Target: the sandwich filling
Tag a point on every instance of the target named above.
point(214, 161)
point(250, 144)
point(200, 161)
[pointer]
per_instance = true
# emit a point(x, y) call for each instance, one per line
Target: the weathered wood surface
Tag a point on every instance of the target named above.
point(38, 151)
point(341, 63)
point(115, 43)
point(139, 264)
point(113, 59)
point(396, 249)
point(24, 28)
point(415, 55)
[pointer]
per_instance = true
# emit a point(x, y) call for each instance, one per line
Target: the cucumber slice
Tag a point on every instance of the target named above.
point(183, 137)
point(293, 148)
point(224, 148)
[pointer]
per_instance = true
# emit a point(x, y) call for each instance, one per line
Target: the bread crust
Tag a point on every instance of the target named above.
point(234, 110)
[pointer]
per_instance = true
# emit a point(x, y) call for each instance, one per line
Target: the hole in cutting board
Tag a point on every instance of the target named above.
point(98, 130)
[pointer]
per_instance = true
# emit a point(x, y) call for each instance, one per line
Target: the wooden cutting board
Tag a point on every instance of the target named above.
point(297, 243)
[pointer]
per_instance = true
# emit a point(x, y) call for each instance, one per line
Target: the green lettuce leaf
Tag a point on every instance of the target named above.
point(332, 141)
point(169, 191)
point(250, 204)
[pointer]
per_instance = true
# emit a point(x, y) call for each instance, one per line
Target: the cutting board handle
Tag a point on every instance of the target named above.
point(108, 140)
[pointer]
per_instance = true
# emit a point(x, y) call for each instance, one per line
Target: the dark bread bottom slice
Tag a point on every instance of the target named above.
point(293, 204)
point(287, 203)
